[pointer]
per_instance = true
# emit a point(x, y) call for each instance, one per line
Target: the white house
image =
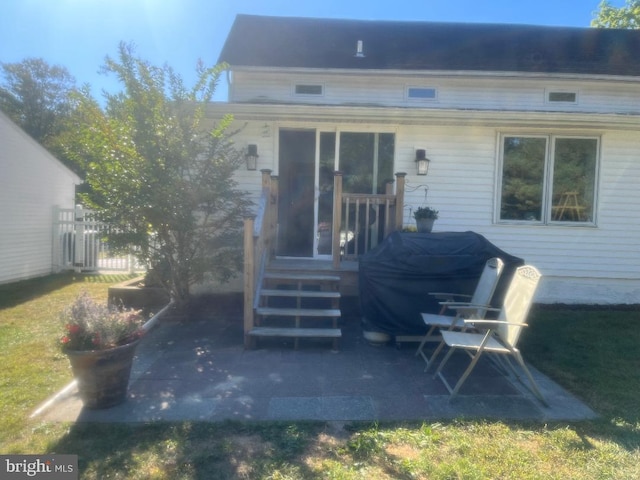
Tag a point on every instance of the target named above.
point(32, 183)
point(532, 132)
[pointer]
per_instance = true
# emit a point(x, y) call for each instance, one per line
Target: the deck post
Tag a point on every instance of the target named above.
point(400, 180)
point(249, 279)
point(273, 217)
point(337, 218)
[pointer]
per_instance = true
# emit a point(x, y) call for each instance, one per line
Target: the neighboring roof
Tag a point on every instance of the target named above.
point(283, 42)
point(25, 139)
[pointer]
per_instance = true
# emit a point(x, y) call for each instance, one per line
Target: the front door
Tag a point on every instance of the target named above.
point(296, 185)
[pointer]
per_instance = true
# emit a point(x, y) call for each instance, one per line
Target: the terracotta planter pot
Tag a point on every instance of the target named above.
point(103, 375)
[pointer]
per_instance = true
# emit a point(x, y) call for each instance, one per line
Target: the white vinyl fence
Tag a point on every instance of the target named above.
point(80, 244)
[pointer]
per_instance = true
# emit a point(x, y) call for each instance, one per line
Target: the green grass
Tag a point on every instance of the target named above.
point(593, 353)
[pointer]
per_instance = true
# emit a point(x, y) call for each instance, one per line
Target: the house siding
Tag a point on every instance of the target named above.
point(602, 96)
point(581, 264)
point(32, 182)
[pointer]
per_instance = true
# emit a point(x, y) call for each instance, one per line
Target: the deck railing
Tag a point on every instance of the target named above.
point(259, 246)
point(361, 221)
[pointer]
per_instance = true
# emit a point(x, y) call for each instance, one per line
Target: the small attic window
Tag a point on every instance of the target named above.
point(421, 93)
point(306, 89)
point(561, 97)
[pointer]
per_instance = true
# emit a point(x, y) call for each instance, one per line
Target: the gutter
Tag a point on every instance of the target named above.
point(342, 114)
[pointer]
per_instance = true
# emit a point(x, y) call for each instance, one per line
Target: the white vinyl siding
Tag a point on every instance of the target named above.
point(32, 182)
point(456, 92)
point(461, 133)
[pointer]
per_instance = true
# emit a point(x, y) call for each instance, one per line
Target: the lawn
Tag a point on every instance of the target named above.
point(592, 352)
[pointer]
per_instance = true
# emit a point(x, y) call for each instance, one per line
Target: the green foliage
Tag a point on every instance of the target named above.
point(36, 96)
point(159, 176)
point(608, 16)
point(425, 212)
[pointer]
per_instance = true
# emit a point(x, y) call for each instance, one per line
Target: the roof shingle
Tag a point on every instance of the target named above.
point(286, 42)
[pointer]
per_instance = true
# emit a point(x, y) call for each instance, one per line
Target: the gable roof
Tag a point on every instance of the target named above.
point(287, 42)
point(15, 139)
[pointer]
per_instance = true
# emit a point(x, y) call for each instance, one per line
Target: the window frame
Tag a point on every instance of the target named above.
point(312, 95)
point(409, 98)
point(548, 180)
point(550, 91)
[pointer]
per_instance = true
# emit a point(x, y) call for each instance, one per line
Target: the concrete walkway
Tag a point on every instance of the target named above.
point(199, 370)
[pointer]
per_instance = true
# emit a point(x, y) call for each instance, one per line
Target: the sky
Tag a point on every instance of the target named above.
point(79, 34)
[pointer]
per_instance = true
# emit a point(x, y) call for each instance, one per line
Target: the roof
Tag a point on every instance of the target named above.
point(25, 139)
point(287, 42)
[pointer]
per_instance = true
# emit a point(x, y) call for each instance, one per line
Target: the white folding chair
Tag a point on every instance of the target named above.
point(475, 307)
point(501, 335)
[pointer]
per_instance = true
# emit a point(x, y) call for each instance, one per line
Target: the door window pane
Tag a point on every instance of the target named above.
point(523, 168)
point(325, 186)
point(366, 160)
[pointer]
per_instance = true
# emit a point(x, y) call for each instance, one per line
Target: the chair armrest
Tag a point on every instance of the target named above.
point(442, 295)
point(462, 308)
point(489, 323)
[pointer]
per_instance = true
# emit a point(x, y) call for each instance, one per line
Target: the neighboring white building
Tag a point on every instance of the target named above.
point(32, 183)
point(533, 134)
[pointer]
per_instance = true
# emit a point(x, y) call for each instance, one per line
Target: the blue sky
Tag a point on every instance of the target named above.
point(78, 34)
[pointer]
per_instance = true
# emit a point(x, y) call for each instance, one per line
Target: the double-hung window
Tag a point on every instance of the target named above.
point(548, 179)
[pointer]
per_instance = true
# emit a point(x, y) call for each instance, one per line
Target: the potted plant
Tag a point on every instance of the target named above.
point(425, 217)
point(100, 342)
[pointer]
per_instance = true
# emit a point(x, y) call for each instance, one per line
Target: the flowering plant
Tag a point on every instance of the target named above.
point(425, 212)
point(89, 325)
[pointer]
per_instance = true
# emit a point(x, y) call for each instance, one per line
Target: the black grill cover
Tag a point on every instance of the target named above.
point(395, 277)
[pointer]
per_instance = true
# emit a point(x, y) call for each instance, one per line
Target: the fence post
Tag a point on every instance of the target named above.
point(78, 250)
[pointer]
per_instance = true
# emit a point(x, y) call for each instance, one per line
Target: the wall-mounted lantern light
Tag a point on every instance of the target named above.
point(252, 157)
point(422, 162)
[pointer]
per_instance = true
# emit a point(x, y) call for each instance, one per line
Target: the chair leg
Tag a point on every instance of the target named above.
point(438, 372)
point(425, 339)
point(534, 385)
point(466, 373)
point(433, 357)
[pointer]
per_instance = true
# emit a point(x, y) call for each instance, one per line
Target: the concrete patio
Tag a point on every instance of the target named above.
point(197, 369)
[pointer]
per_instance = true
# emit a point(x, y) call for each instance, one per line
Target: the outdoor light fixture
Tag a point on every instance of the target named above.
point(422, 162)
point(252, 157)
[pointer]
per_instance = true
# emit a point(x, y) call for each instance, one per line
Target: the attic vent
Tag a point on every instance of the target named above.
point(301, 89)
point(359, 49)
point(562, 97)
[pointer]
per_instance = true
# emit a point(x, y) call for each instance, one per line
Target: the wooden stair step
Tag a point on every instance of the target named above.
point(296, 332)
point(270, 292)
point(301, 277)
point(299, 312)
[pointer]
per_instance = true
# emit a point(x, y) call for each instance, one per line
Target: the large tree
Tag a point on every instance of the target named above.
point(35, 95)
point(608, 16)
point(159, 176)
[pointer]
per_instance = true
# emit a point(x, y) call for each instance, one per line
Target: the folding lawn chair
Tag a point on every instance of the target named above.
point(465, 306)
point(501, 335)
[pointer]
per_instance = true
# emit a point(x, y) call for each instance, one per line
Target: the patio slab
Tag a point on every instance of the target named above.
point(197, 369)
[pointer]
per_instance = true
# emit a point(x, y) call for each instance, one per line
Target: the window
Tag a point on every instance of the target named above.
point(548, 178)
point(308, 89)
point(421, 93)
point(562, 97)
